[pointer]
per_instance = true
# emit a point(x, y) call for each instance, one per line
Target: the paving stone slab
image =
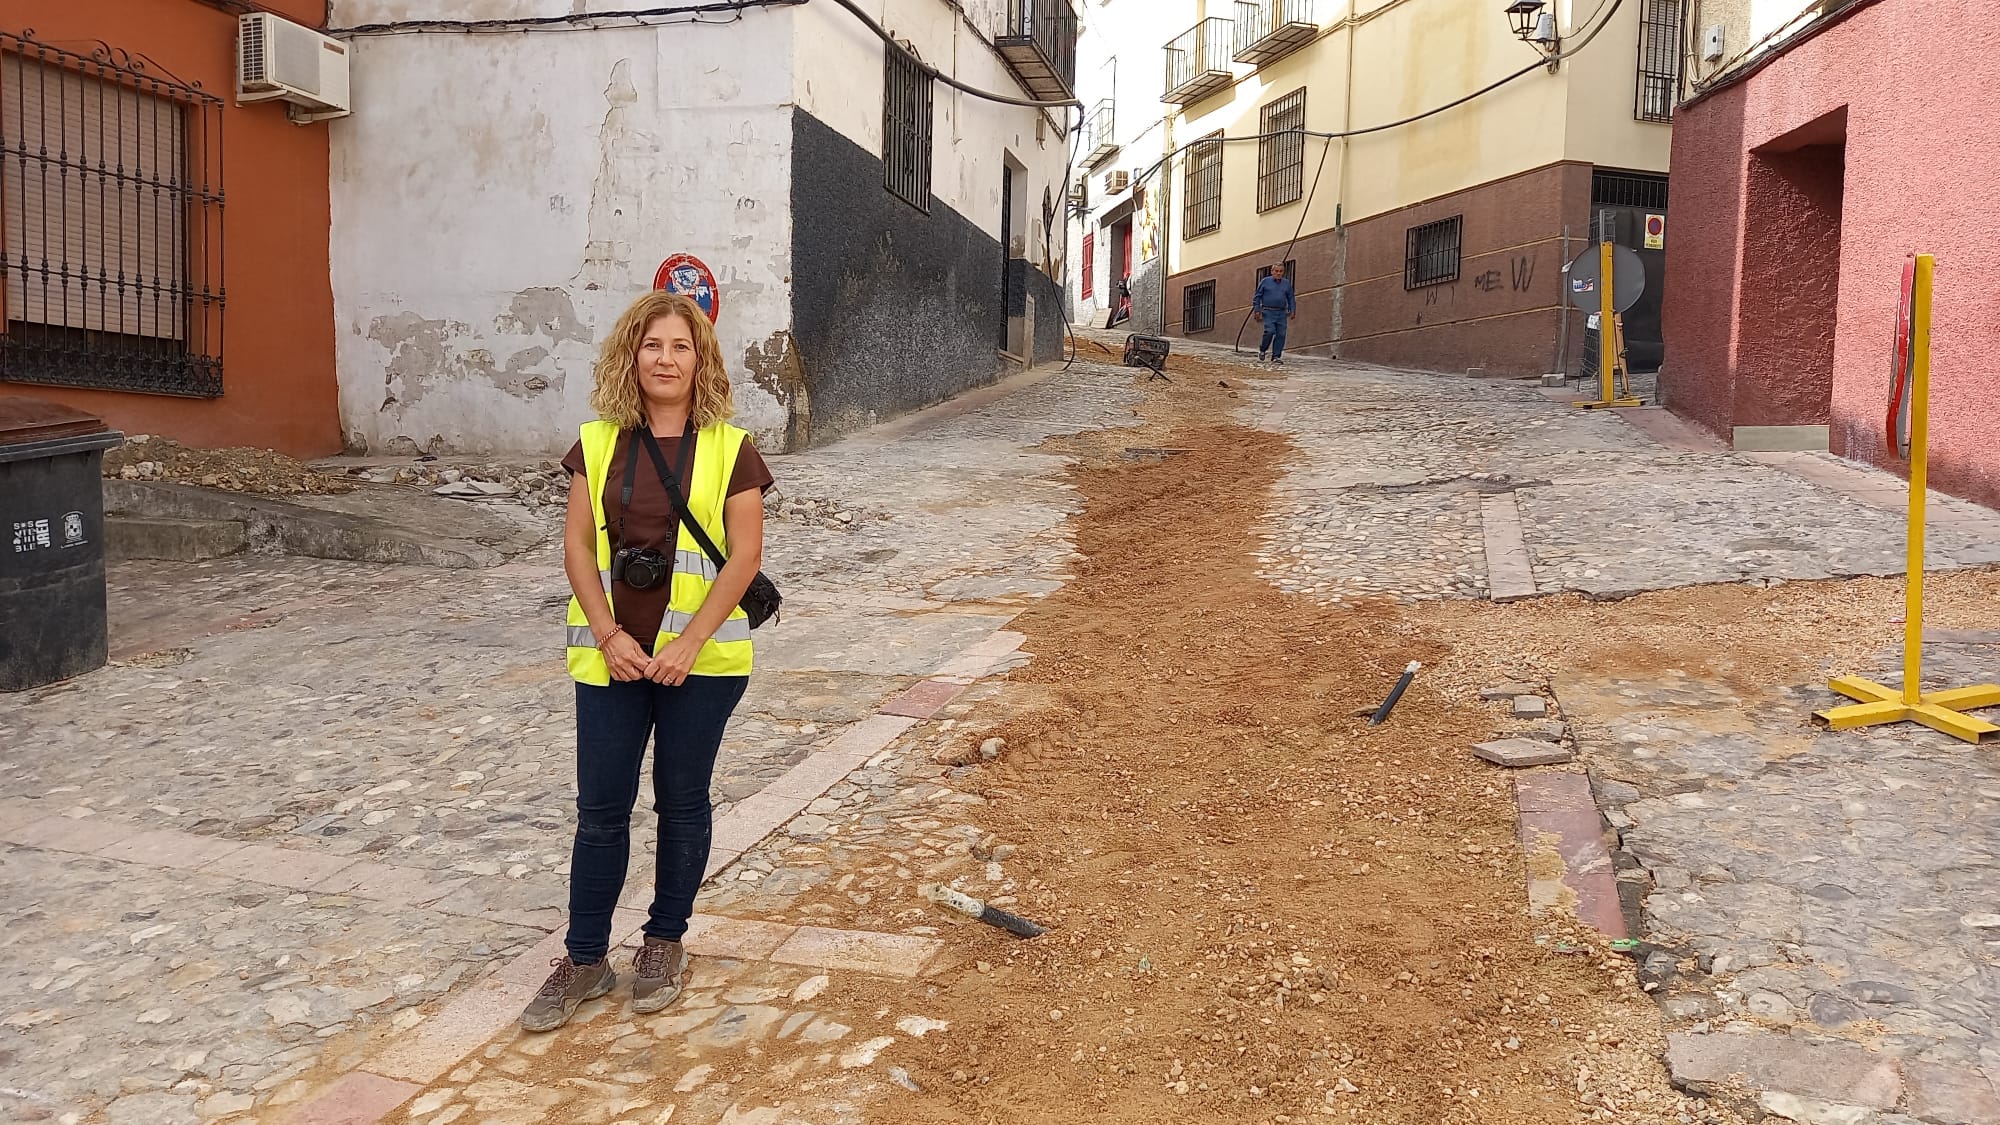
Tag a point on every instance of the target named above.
point(1522, 753)
point(1830, 1071)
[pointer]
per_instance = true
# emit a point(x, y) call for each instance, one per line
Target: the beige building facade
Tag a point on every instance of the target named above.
point(1434, 243)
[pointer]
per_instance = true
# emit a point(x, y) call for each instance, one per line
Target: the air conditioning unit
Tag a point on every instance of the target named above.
point(1079, 192)
point(1115, 182)
point(278, 60)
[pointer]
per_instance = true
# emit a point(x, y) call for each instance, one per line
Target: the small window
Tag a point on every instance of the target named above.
point(1089, 263)
point(1430, 255)
point(1204, 186)
point(906, 128)
point(1659, 59)
point(1281, 159)
point(1291, 272)
point(1198, 307)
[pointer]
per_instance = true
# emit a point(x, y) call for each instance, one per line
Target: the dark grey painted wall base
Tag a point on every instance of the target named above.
point(893, 309)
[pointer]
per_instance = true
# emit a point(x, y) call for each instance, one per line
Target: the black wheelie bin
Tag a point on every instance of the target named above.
point(52, 614)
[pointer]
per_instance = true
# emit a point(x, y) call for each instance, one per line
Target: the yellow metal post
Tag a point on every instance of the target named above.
point(1939, 710)
point(1607, 332)
point(1610, 337)
point(1920, 426)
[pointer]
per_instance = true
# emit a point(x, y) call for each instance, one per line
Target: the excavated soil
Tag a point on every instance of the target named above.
point(1262, 909)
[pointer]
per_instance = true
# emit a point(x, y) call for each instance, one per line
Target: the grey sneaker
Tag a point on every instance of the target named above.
point(567, 988)
point(662, 967)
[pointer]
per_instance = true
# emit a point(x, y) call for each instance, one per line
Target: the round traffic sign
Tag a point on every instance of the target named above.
point(689, 276)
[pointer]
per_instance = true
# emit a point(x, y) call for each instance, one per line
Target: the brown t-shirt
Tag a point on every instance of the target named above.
point(654, 522)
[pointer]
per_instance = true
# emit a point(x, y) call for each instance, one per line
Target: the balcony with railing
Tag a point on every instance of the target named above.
point(1100, 134)
point(1198, 62)
point(1039, 43)
point(1268, 30)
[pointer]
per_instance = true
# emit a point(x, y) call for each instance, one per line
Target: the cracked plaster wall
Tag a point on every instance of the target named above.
point(498, 200)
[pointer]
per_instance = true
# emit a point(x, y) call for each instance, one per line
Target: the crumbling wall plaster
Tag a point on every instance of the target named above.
point(499, 200)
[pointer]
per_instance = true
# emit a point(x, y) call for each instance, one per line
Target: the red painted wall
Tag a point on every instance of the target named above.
point(279, 388)
point(1915, 81)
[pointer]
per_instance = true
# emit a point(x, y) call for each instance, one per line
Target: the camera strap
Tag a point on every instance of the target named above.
point(632, 469)
point(673, 484)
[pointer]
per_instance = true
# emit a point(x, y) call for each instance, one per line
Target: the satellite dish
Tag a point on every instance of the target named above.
point(1628, 277)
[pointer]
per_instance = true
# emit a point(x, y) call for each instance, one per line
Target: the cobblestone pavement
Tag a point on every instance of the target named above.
point(311, 826)
point(1812, 890)
point(416, 724)
point(1386, 497)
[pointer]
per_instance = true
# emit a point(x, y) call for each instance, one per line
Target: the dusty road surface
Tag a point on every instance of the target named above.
point(1261, 909)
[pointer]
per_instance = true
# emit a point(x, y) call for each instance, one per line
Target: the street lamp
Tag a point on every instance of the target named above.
point(1533, 23)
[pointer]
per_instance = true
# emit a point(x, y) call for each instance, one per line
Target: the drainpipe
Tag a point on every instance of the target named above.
point(1562, 298)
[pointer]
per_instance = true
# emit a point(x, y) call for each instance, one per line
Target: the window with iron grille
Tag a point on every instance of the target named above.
point(1281, 160)
point(1291, 272)
point(1430, 254)
point(1659, 59)
point(110, 224)
point(1204, 186)
point(1628, 189)
point(906, 128)
point(1089, 263)
point(1198, 307)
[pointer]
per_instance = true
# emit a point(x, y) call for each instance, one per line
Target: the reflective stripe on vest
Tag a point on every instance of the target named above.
point(728, 652)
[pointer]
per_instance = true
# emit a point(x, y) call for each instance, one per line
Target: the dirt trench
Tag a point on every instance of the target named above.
point(1263, 910)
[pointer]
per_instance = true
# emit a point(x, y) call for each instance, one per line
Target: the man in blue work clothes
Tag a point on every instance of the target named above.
point(1275, 304)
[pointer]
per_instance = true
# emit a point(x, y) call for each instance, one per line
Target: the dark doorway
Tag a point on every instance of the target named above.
point(1121, 272)
point(1632, 200)
point(1006, 252)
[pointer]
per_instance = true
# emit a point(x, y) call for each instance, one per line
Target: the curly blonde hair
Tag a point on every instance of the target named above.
point(615, 396)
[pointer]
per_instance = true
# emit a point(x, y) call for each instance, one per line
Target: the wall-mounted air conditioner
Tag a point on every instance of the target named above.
point(1115, 182)
point(278, 60)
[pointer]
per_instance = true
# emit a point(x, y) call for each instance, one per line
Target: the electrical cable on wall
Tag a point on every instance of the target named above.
point(1568, 53)
point(1329, 138)
point(665, 16)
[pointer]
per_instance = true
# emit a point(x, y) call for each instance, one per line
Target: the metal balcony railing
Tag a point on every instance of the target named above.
point(1100, 134)
point(1268, 30)
point(1039, 42)
point(1198, 62)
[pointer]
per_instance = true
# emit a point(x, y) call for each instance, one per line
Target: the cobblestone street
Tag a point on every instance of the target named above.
point(300, 853)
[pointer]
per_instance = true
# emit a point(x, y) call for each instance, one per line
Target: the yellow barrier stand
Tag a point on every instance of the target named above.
point(1938, 710)
point(1610, 341)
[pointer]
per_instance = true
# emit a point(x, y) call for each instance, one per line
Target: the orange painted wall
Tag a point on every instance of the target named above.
point(278, 383)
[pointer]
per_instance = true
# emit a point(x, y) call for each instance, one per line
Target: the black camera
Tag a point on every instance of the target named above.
point(640, 568)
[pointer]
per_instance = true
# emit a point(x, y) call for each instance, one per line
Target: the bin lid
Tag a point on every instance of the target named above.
point(24, 419)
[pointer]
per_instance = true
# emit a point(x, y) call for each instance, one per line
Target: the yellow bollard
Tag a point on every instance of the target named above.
point(1610, 339)
point(1938, 710)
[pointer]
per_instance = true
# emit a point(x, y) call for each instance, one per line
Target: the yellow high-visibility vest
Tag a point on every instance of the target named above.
point(728, 652)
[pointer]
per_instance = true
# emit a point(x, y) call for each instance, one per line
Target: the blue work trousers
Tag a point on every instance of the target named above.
point(1275, 324)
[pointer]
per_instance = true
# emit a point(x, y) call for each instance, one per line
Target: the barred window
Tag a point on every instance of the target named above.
point(1281, 160)
point(1204, 186)
point(1198, 307)
point(1430, 254)
point(1659, 59)
point(906, 127)
point(110, 224)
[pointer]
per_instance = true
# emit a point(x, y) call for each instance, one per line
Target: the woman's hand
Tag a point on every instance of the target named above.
point(625, 656)
point(671, 666)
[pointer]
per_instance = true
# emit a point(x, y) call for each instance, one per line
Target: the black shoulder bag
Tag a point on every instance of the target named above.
point(761, 601)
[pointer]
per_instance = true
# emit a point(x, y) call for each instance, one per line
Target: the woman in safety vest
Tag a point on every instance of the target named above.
point(658, 647)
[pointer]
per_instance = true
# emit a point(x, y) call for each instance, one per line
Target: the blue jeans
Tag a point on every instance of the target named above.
point(613, 725)
point(1275, 324)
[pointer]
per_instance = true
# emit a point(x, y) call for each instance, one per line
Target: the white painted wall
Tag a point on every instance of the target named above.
point(499, 199)
point(1122, 55)
point(838, 69)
